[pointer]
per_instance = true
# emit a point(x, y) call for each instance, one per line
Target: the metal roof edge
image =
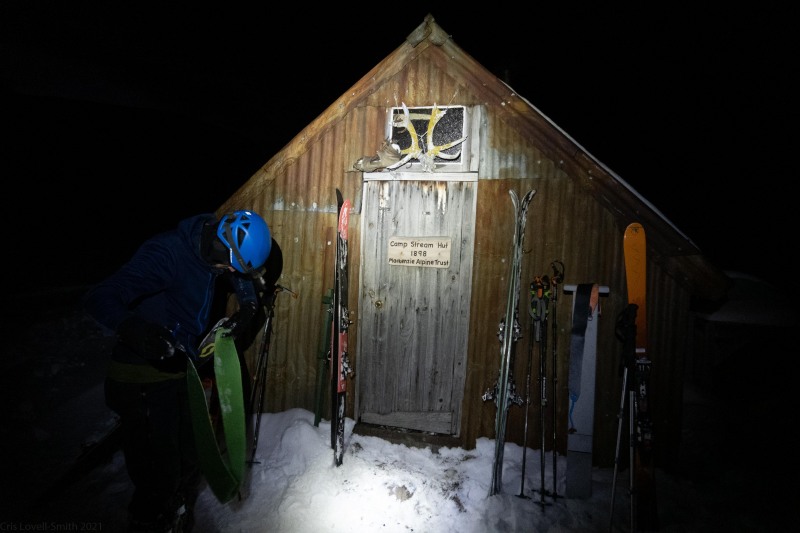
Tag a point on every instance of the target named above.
point(602, 165)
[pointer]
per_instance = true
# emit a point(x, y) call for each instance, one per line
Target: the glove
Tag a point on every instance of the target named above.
point(240, 320)
point(149, 340)
point(235, 325)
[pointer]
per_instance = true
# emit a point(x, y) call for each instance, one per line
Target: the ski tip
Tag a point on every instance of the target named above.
point(528, 196)
point(634, 228)
point(525, 199)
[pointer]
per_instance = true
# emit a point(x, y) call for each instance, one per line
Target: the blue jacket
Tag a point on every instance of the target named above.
point(169, 283)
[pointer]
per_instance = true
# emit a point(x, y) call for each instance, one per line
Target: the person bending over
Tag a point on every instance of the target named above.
point(159, 304)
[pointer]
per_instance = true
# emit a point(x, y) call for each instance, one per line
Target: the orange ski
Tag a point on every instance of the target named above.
point(635, 249)
point(644, 512)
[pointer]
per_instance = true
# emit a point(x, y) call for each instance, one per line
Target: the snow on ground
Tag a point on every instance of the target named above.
point(294, 487)
point(733, 478)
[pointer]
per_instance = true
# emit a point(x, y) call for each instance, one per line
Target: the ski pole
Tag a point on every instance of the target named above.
point(555, 281)
point(539, 310)
point(323, 357)
point(625, 332)
point(261, 365)
point(527, 398)
point(631, 459)
point(616, 451)
point(261, 372)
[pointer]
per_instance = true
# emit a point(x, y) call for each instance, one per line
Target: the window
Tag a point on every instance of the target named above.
point(430, 138)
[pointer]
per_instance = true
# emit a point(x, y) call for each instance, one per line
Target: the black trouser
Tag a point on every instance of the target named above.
point(158, 445)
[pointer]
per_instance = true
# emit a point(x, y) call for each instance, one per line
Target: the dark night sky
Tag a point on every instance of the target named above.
point(135, 117)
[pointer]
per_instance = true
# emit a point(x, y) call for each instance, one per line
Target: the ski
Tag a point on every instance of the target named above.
point(644, 513)
point(504, 393)
point(221, 457)
point(206, 348)
point(340, 365)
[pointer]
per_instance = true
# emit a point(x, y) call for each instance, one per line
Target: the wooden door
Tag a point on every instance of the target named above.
point(416, 275)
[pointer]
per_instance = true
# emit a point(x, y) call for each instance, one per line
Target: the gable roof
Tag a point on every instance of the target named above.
point(673, 250)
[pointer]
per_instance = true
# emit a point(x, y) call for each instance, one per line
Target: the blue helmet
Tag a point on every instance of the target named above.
point(248, 238)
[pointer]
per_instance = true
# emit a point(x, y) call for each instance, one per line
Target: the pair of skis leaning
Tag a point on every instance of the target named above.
point(340, 364)
point(504, 393)
point(333, 351)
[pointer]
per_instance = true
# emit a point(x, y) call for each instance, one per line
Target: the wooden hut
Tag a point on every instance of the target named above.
point(427, 146)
